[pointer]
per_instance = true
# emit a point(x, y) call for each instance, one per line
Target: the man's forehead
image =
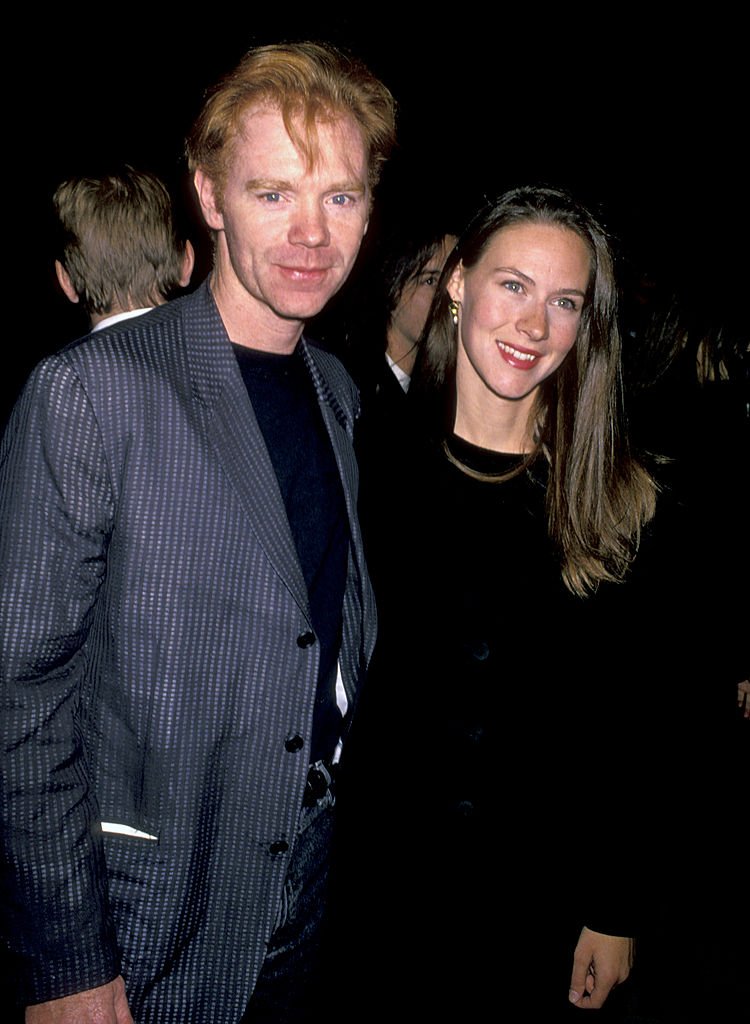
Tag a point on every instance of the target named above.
point(332, 139)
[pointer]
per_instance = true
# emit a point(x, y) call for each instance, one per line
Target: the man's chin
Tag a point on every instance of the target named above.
point(302, 307)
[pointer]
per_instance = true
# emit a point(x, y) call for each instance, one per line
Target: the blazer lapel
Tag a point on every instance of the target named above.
point(232, 428)
point(359, 607)
point(336, 424)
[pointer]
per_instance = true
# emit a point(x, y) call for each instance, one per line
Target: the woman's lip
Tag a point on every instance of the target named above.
point(520, 358)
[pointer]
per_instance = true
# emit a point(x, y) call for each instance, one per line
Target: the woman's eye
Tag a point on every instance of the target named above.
point(565, 303)
point(513, 286)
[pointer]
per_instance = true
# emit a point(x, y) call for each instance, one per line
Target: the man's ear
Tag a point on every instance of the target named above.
point(188, 263)
point(207, 197)
point(63, 279)
point(456, 283)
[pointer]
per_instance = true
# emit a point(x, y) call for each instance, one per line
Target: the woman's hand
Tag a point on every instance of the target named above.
point(599, 963)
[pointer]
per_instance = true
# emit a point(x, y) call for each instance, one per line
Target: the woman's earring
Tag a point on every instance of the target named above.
point(453, 307)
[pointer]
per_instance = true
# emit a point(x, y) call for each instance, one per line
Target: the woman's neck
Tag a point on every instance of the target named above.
point(498, 425)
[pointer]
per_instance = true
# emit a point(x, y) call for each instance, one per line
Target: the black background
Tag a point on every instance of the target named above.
point(642, 113)
point(646, 120)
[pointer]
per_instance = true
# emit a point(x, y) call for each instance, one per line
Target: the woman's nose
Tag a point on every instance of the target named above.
point(533, 321)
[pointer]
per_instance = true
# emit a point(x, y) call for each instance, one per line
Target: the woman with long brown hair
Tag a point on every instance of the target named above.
point(490, 775)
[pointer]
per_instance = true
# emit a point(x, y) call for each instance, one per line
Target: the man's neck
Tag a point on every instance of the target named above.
point(251, 324)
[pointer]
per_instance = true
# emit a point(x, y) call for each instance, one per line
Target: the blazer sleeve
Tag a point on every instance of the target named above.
point(56, 511)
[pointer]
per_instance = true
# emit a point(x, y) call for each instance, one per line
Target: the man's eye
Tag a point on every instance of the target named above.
point(271, 197)
point(342, 200)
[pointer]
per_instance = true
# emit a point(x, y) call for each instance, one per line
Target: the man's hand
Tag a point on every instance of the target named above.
point(106, 1004)
point(599, 963)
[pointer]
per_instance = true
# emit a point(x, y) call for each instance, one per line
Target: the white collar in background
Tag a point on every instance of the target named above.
point(401, 376)
point(116, 317)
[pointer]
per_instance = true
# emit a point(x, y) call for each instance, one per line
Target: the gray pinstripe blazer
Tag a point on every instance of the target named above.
point(151, 603)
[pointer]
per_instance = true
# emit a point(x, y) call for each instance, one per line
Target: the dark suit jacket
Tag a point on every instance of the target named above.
point(152, 605)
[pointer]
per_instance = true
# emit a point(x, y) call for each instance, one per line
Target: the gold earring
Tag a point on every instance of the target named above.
point(453, 307)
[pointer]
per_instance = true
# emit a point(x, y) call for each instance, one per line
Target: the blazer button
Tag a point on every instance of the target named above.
point(294, 743)
point(280, 846)
point(306, 639)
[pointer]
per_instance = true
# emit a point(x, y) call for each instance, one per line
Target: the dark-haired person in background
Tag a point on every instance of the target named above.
point(384, 324)
point(411, 270)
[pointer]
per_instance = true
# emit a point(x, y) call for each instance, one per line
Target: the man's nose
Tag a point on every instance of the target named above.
point(309, 225)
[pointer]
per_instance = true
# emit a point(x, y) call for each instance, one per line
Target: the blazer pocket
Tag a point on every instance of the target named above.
point(116, 829)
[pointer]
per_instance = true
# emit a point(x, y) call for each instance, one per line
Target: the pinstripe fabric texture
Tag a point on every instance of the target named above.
point(151, 603)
